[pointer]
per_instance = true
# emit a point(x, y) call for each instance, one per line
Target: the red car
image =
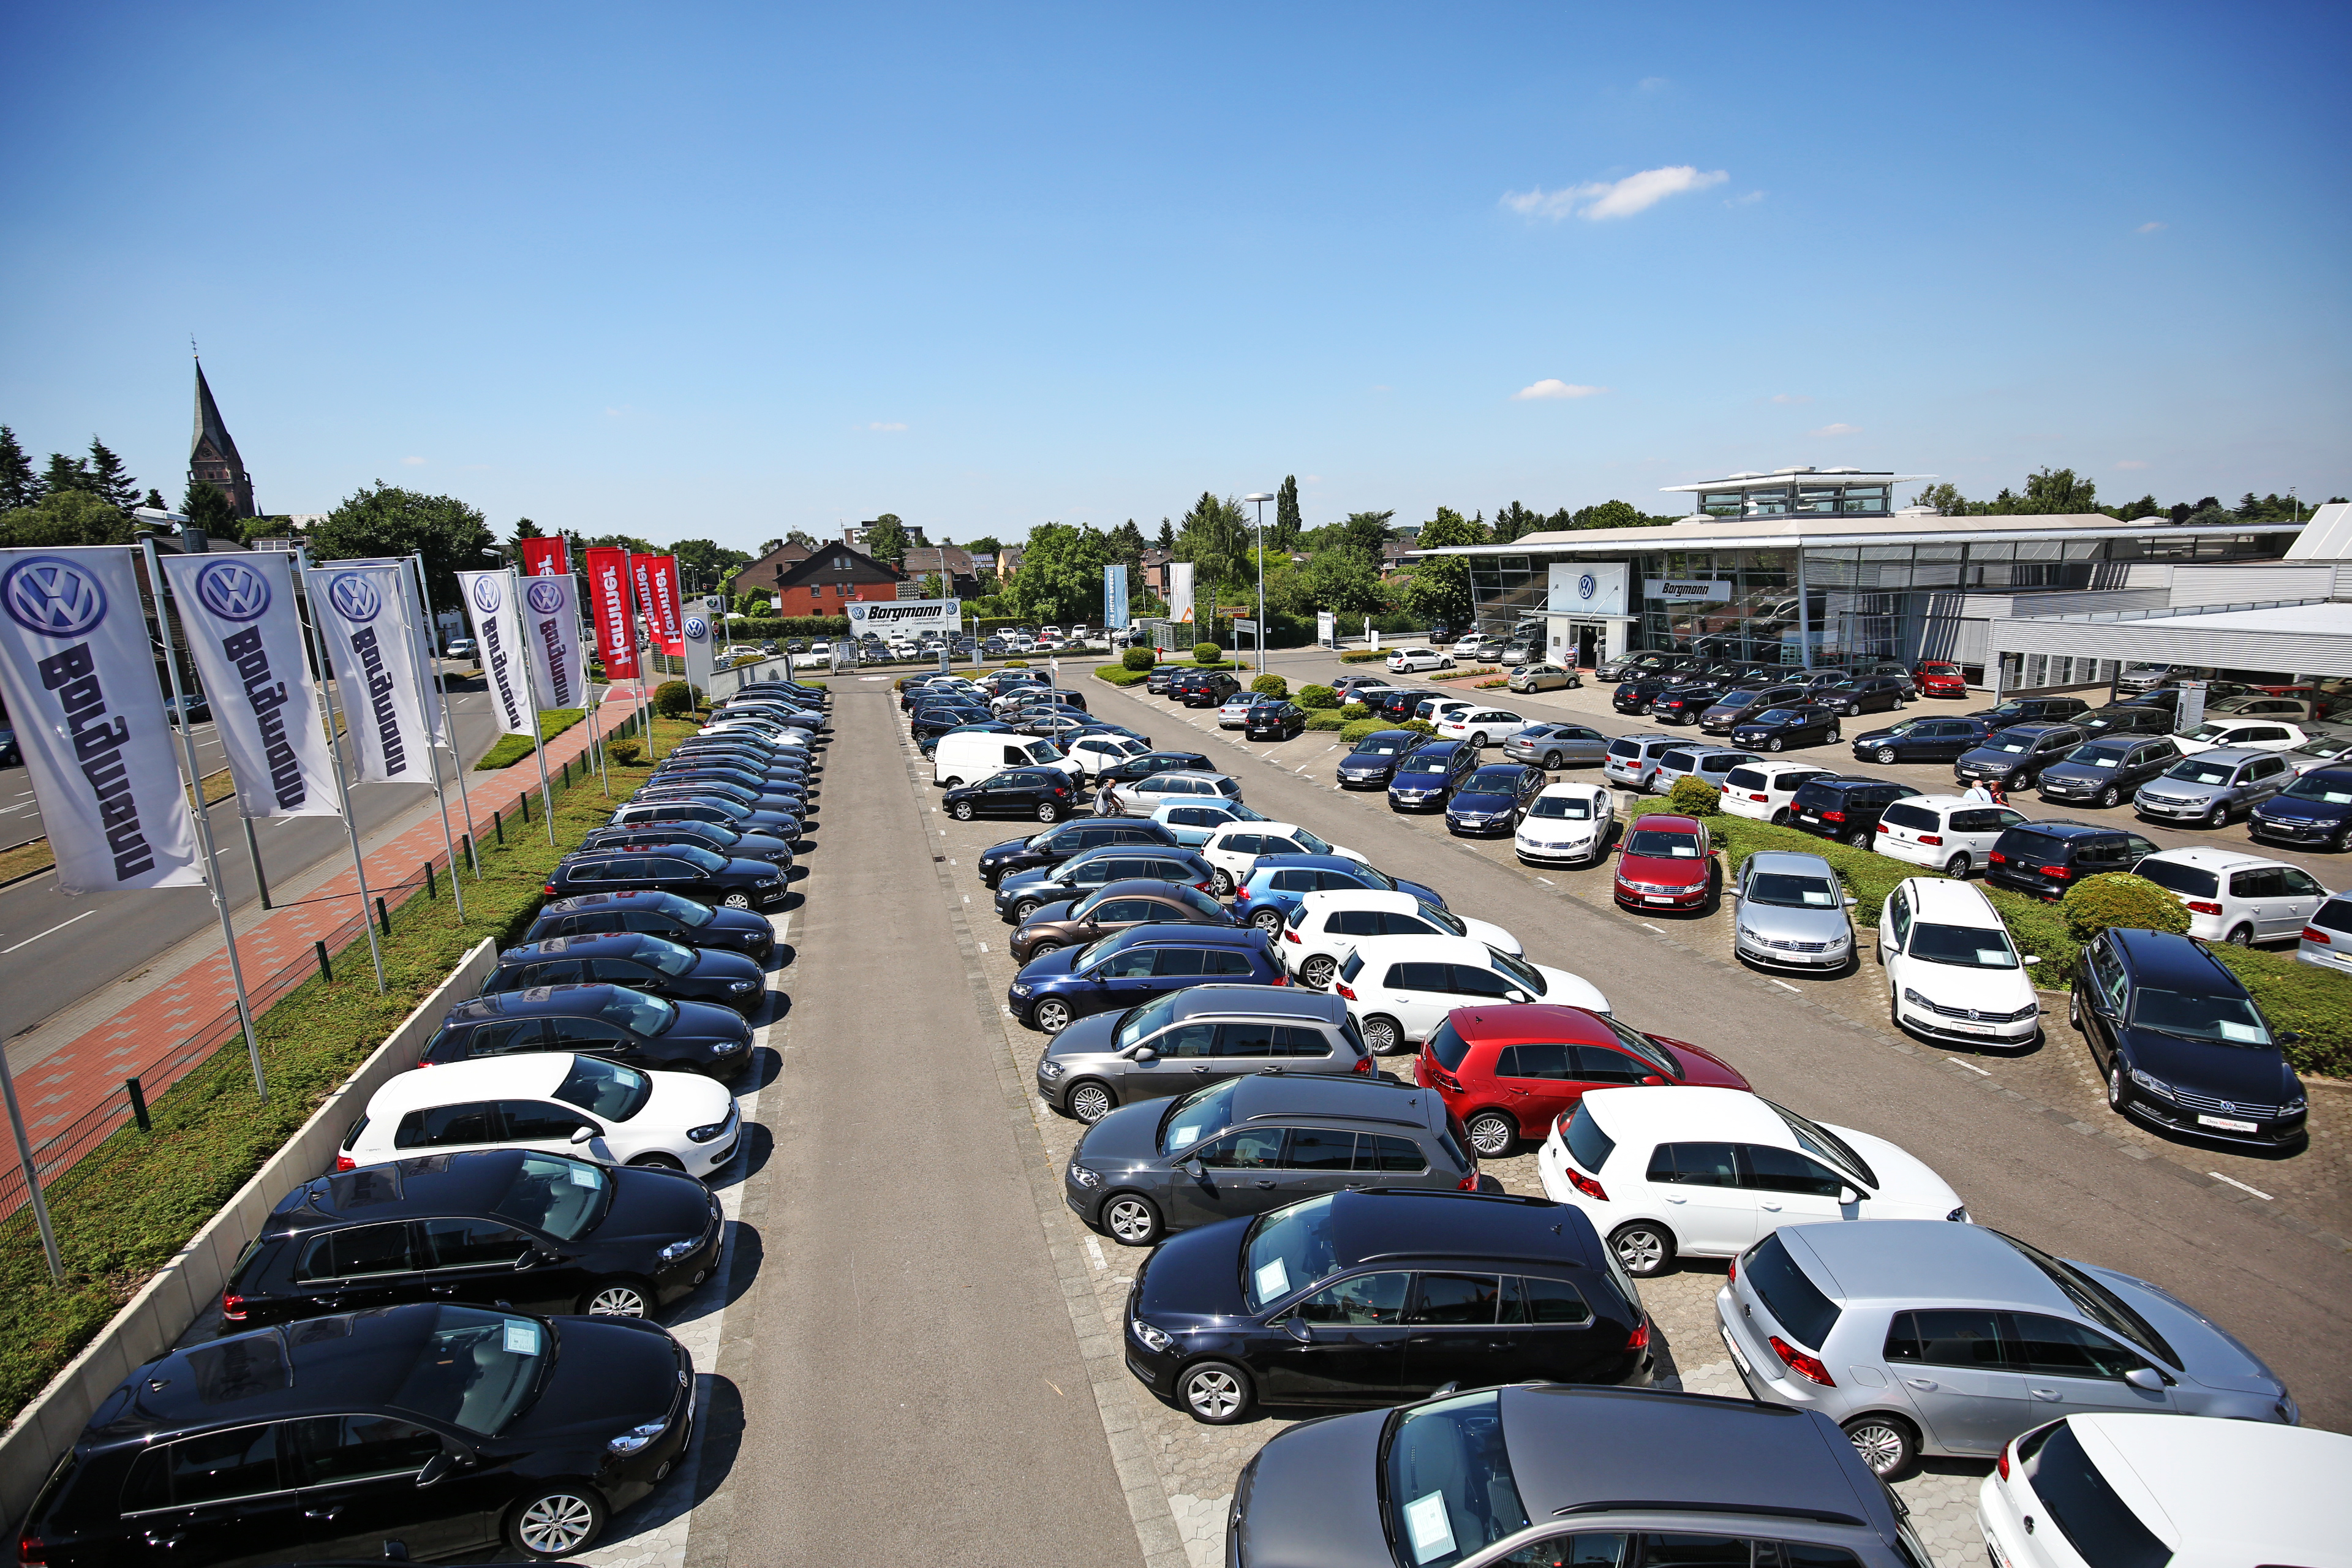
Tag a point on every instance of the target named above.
point(1666, 863)
point(1935, 678)
point(1510, 1073)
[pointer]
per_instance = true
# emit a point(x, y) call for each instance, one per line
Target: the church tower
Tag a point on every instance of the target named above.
point(212, 456)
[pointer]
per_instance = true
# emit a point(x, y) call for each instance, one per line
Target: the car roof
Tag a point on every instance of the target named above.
point(482, 1078)
point(1268, 1094)
point(1790, 861)
point(1702, 749)
point(1940, 802)
point(1668, 822)
point(2207, 1478)
point(1258, 1001)
point(2163, 955)
point(1366, 1226)
point(1514, 1021)
point(1313, 862)
point(1950, 902)
point(1399, 900)
point(2213, 858)
point(1439, 749)
point(2062, 827)
point(602, 944)
point(1426, 947)
point(1191, 773)
point(1578, 787)
point(551, 1001)
point(1155, 935)
point(467, 1181)
point(2233, 755)
point(1844, 781)
point(1929, 1261)
point(1684, 1110)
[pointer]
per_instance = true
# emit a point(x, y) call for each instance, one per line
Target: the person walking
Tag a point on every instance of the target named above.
point(1107, 801)
point(1999, 791)
point(1977, 793)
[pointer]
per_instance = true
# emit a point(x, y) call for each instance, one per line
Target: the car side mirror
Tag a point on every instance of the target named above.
point(582, 1134)
point(1515, 995)
point(1652, 1081)
point(1847, 1198)
point(2030, 958)
point(1851, 901)
point(1196, 1170)
point(1301, 1332)
point(2289, 1038)
point(436, 1469)
point(2146, 1377)
point(1143, 1054)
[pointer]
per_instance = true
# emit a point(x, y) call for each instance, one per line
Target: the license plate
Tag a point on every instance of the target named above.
point(1656, 899)
point(2228, 1124)
point(1969, 1028)
point(1732, 1345)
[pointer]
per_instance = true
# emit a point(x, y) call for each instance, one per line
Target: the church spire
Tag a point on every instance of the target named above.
point(212, 456)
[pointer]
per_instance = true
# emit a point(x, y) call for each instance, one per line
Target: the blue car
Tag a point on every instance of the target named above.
point(1057, 988)
point(2314, 810)
point(1424, 780)
point(1490, 799)
point(1023, 893)
point(1278, 882)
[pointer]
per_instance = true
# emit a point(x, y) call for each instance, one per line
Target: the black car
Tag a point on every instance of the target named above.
point(2181, 1043)
point(2046, 859)
point(1020, 896)
point(791, 791)
point(713, 787)
point(2127, 719)
point(1376, 1296)
point(485, 1228)
point(1206, 691)
point(449, 1430)
point(1425, 778)
point(813, 696)
point(1733, 706)
point(653, 964)
point(665, 915)
point(1864, 694)
point(609, 1021)
point(758, 761)
point(2033, 710)
point(1921, 740)
point(1683, 704)
point(1396, 706)
point(1273, 721)
point(12, 755)
point(937, 720)
point(1056, 845)
point(1636, 696)
point(1162, 676)
point(1375, 758)
point(2107, 769)
point(1134, 770)
point(679, 869)
point(1493, 799)
point(1846, 807)
point(2016, 753)
point(710, 836)
point(2317, 809)
point(1794, 724)
point(1044, 794)
point(687, 806)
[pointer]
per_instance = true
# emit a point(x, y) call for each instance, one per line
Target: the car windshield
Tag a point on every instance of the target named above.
point(2331, 789)
point(685, 911)
point(564, 1198)
point(1775, 716)
point(1422, 767)
point(1146, 1020)
point(1791, 890)
point(1444, 920)
point(2324, 746)
point(2096, 1302)
point(2008, 743)
point(1044, 751)
point(2201, 773)
point(1311, 843)
point(1374, 876)
point(636, 1010)
point(1658, 843)
point(2101, 754)
point(475, 1369)
point(605, 1089)
point(1518, 970)
point(2219, 1020)
point(1968, 947)
point(2211, 732)
point(1824, 1144)
point(1448, 1487)
point(666, 956)
point(1642, 1046)
point(1903, 728)
point(1199, 1115)
point(1199, 902)
point(1564, 807)
point(1287, 1250)
point(1498, 780)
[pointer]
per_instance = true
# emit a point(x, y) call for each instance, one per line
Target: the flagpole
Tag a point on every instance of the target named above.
point(456, 764)
point(335, 750)
point(457, 758)
point(203, 812)
point(32, 1170)
point(531, 705)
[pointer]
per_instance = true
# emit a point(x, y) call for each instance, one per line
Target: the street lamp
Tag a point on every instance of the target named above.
point(1259, 502)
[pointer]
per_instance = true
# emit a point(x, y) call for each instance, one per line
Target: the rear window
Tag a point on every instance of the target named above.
point(1913, 816)
point(1587, 1145)
point(2335, 914)
point(2018, 844)
point(1625, 748)
point(2189, 880)
point(1818, 794)
point(1787, 1294)
point(1448, 1047)
point(1746, 778)
point(2099, 1525)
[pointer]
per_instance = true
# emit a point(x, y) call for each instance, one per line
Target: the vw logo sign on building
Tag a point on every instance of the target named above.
point(52, 597)
point(545, 597)
point(355, 597)
point(488, 594)
point(697, 628)
point(233, 591)
point(1585, 586)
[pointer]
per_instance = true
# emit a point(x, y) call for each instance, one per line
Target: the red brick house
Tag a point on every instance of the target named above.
point(819, 581)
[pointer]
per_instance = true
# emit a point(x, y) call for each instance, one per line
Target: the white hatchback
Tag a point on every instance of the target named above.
point(1182, 787)
point(1096, 752)
point(2235, 897)
point(1412, 658)
point(1567, 825)
point(1762, 791)
point(1481, 726)
point(1231, 850)
point(1952, 972)
point(1943, 831)
point(1468, 644)
point(1676, 1170)
point(1236, 710)
point(2242, 734)
point(1400, 988)
point(1324, 928)
point(565, 1104)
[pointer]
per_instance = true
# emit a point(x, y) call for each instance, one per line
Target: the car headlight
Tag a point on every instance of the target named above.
point(1914, 998)
point(1087, 1179)
point(743, 986)
point(2153, 1085)
point(706, 1133)
point(677, 1249)
point(1960, 1216)
point(2295, 1106)
point(767, 882)
point(1152, 1339)
point(721, 1048)
point(635, 1438)
point(1021, 988)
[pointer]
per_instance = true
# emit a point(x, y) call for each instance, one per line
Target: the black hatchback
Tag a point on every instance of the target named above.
point(789, 788)
point(708, 786)
point(652, 964)
point(488, 1227)
point(1378, 1296)
point(429, 1430)
point(1864, 694)
point(2033, 710)
point(679, 869)
point(1846, 807)
point(1045, 794)
point(2016, 753)
point(1274, 720)
point(687, 806)
point(667, 915)
point(598, 1020)
point(2046, 859)
point(1921, 740)
point(1205, 691)
point(1375, 758)
point(708, 835)
point(1056, 845)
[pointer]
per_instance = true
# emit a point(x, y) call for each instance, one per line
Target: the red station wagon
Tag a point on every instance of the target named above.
point(1938, 679)
point(1665, 863)
point(1509, 1073)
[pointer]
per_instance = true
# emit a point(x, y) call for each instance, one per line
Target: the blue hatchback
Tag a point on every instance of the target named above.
point(2317, 809)
point(1056, 989)
point(1424, 780)
point(1278, 882)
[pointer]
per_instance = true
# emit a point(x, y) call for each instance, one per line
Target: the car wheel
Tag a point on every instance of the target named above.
point(2109, 797)
point(1478, 741)
point(961, 811)
point(2074, 1012)
point(1091, 1101)
point(1835, 735)
point(2218, 816)
point(1886, 1444)
point(1318, 970)
point(739, 901)
point(1781, 818)
point(1268, 922)
point(1049, 812)
point(2343, 839)
point(656, 1162)
point(1382, 1036)
point(1215, 1393)
point(1957, 866)
point(556, 1519)
point(1022, 909)
point(1775, 743)
point(1646, 1250)
point(1221, 883)
point(1132, 1219)
point(616, 1298)
point(2241, 936)
point(1855, 837)
point(1551, 762)
point(951, 783)
point(2116, 1094)
point(1053, 1014)
point(1884, 755)
point(1492, 1134)
point(1041, 948)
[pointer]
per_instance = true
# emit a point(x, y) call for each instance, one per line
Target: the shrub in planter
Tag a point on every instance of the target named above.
point(1356, 730)
point(1419, 727)
point(2298, 998)
point(1016, 664)
point(1324, 718)
point(624, 753)
point(1694, 797)
point(1272, 686)
point(1313, 697)
point(1207, 653)
point(1117, 676)
point(1139, 659)
point(674, 699)
point(2119, 899)
point(1352, 711)
point(1363, 655)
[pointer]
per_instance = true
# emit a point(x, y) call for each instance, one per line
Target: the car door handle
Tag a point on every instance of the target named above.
point(1201, 1069)
point(322, 1512)
point(1520, 1092)
point(1267, 1186)
point(1921, 1382)
point(444, 1289)
point(2044, 1393)
point(1774, 1207)
point(1673, 1199)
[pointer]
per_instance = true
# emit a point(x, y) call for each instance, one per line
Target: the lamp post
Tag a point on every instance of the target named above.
point(1259, 502)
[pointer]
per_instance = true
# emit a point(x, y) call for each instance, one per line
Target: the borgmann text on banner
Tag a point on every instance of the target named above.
point(608, 598)
point(244, 634)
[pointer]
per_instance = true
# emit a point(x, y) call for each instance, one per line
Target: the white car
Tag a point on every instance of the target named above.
point(1567, 825)
point(2235, 897)
point(553, 1100)
point(1952, 973)
point(1407, 659)
point(1324, 928)
point(2328, 939)
point(1399, 988)
point(2242, 734)
point(1096, 752)
point(1676, 1170)
point(1236, 710)
point(820, 648)
point(1481, 726)
point(1943, 831)
point(1233, 850)
point(773, 730)
point(2192, 1491)
point(1185, 786)
point(1468, 644)
point(1760, 791)
point(977, 754)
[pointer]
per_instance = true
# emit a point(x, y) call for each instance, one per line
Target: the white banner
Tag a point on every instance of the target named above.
point(696, 630)
point(1327, 628)
point(1180, 592)
point(79, 676)
point(363, 613)
point(551, 629)
point(887, 616)
point(244, 634)
point(1596, 588)
point(491, 600)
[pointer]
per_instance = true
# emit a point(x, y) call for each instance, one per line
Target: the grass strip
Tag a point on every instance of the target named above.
point(512, 749)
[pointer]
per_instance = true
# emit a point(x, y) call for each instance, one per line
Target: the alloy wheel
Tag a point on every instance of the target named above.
point(2074, 1011)
point(1091, 1102)
point(1318, 971)
point(2242, 936)
point(1957, 866)
point(556, 1524)
point(1551, 762)
point(1024, 911)
point(2109, 796)
point(1491, 1134)
point(1382, 1036)
point(1267, 921)
point(962, 812)
point(1642, 1250)
point(2116, 1092)
point(1131, 1221)
point(617, 1302)
point(1049, 813)
point(1221, 883)
point(1043, 948)
point(1775, 744)
point(1883, 1447)
point(1213, 1394)
point(739, 901)
point(1884, 755)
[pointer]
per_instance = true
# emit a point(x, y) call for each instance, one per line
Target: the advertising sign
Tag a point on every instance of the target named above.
point(1180, 592)
point(1327, 629)
point(1115, 597)
point(245, 635)
point(491, 600)
point(546, 557)
point(550, 632)
point(656, 581)
point(1694, 591)
point(1577, 588)
point(2192, 706)
point(885, 615)
point(363, 614)
point(608, 598)
point(694, 631)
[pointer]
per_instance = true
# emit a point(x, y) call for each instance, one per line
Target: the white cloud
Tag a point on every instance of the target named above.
point(885, 425)
point(1749, 200)
point(1791, 397)
point(1836, 430)
point(1654, 83)
point(1553, 387)
point(1310, 479)
point(2147, 229)
point(413, 462)
point(1600, 199)
point(2131, 463)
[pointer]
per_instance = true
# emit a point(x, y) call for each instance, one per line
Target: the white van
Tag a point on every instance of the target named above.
point(969, 758)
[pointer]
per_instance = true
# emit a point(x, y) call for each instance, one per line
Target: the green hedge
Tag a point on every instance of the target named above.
point(1363, 654)
point(1139, 659)
point(2119, 899)
point(1353, 710)
point(1324, 718)
point(1272, 686)
point(1315, 697)
point(2299, 998)
point(1693, 796)
point(1207, 653)
point(1119, 675)
point(1355, 729)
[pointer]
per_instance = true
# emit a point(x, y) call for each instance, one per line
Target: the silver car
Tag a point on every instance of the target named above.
point(1553, 746)
point(2206, 789)
point(2324, 746)
point(1712, 763)
point(1792, 913)
point(1236, 710)
point(1632, 759)
point(1922, 1337)
point(1193, 1037)
point(2328, 939)
point(1188, 786)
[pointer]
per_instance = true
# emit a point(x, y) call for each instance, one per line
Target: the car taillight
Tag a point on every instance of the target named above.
point(2000, 1466)
point(1363, 1065)
point(1588, 1186)
point(1446, 1079)
point(1833, 816)
point(1240, 895)
point(1935, 838)
point(2311, 933)
point(2057, 873)
point(1998, 859)
point(1808, 1367)
point(1289, 935)
point(2197, 907)
point(550, 889)
point(1282, 980)
point(1468, 1184)
point(1760, 797)
point(1884, 828)
point(345, 1162)
point(1344, 991)
point(1639, 1340)
point(232, 1306)
point(1731, 1269)
point(32, 1552)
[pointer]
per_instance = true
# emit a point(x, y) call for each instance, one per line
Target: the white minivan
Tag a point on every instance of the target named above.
point(968, 759)
point(1944, 831)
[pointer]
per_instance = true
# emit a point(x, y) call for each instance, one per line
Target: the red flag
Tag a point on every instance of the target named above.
point(608, 592)
point(657, 579)
point(546, 557)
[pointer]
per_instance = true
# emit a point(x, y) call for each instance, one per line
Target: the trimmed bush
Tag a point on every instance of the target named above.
point(2298, 998)
point(1272, 686)
point(1015, 663)
point(1356, 730)
point(1324, 718)
point(1363, 655)
point(1119, 675)
point(1420, 727)
point(1352, 711)
point(1141, 658)
point(624, 753)
point(1694, 797)
point(673, 699)
point(1207, 653)
point(1315, 697)
point(2119, 899)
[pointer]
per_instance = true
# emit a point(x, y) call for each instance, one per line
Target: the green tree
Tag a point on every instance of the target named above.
point(1288, 524)
point(19, 486)
point(526, 529)
point(1128, 540)
point(1610, 514)
point(1945, 498)
point(1365, 532)
point(1061, 574)
point(628, 541)
point(1513, 521)
point(204, 507)
point(801, 537)
point(155, 498)
point(1438, 589)
point(67, 474)
point(390, 521)
point(2050, 492)
point(986, 544)
point(107, 478)
point(65, 517)
point(706, 564)
point(1167, 540)
point(1344, 583)
point(935, 586)
point(1214, 537)
point(888, 540)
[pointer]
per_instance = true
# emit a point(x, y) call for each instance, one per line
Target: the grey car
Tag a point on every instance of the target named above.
point(1743, 700)
point(1712, 763)
point(2017, 754)
point(1193, 1037)
point(1183, 787)
point(1950, 1339)
point(2205, 790)
point(1632, 759)
point(2109, 771)
point(1553, 746)
point(1244, 1145)
point(1792, 913)
point(2324, 746)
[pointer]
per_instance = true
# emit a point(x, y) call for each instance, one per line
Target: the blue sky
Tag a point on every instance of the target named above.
point(702, 270)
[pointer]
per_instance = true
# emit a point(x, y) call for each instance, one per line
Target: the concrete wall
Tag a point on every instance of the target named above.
point(184, 1289)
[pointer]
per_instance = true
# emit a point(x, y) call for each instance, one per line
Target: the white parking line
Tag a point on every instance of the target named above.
point(58, 927)
point(1546, 881)
point(1095, 1251)
point(1647, 926)
point(1971, 1066)
point(2240, 1185)
point(1785, 985)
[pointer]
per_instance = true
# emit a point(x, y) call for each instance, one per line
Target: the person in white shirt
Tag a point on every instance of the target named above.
point(1977, 793)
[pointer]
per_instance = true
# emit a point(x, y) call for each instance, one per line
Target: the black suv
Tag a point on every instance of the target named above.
point(1846, 808)
point(609, 1021)
point(1052, 847)
point(1921, 740)
point(2127, 719)
point(2033, 710)
point(679, 869)
point(1274, 720)
point(2107, 769)
point(2046, 859)
point(1375, 758)
point(2017, 754)
point(1023, 894)
point(1045, 794)
point(1134, 770)
point(653, 964)
point(1864, 693)
point(666, 915)
point(2181, 1043)
point(1683, 704)
point(1397, 705)
point(1735, 706)
point(1209, 690)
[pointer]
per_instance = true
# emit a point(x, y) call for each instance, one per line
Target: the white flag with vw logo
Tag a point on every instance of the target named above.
point(81, 685)
point(551, 629)
point(246, 637)
point(491, 600)
point(694, 631)
point(363, 617)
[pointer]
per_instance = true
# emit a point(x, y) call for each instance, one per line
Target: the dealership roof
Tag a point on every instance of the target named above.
point(1821, 532)
point(2312, 638)
point(1781, 478)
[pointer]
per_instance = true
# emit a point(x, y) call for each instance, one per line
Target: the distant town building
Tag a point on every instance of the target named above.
point(952, 562)
point(820, 581)
point(211, 454)
point(862, 534)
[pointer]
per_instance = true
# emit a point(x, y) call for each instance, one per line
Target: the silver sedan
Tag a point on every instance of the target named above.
point(1552, 747)
point(1792, 913)
point(1544, 678)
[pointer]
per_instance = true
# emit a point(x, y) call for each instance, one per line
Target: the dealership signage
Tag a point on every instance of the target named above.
point(887, 616)
point(1579, 588)
point(1686, 590)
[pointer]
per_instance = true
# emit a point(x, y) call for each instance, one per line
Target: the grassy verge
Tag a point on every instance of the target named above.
point(122, 1210)
point(512, 749)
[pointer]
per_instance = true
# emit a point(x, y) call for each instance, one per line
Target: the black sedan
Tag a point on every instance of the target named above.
point(597, 1020)
point(1493, 799)
point(1374, 759)
point(1684, 704)
point(1863, 694)
point(452, 1430)
point(1778, 728)
point(679, 869)
point(677, 786)
point(653, 964)
point(485, 1228)
point(1636, 696)
point(1273, 721)
point(1921, 740)
point(708, 835)
point(757, 755)
point(663, 915)
point(1045, 794)
point(685, 806)
point(1134, 770)
point(695, 771)
point(932, 721)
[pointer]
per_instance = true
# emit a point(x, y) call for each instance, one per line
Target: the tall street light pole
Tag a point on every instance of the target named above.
point(1259, 502)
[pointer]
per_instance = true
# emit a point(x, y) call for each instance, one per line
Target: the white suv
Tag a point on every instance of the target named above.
point(1943, 831)
point(1400, 988)
point(1231, 850)
point(582, 1106)
point(2242, 734)
point(2234, 897)
point(1481, 726)
point(1952, 973)
point(1762, 791)
point(1324, 928)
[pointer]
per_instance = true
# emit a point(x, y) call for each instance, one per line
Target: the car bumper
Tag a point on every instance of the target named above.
point(2179, 810)
point(1556, 854)
point(1415, 802)
point(2268, 1132)
point(1938, 1028)
point(2258, 826)
point(1756, 951)
point(1628, 898)
point(1462, 826)
point(1911, 854)
point(1363, 781)
point(2033, 887)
